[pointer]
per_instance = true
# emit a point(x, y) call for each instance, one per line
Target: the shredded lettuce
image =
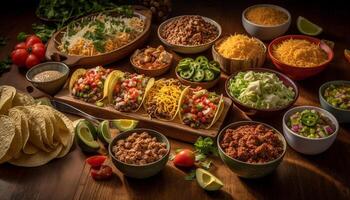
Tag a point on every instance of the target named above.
point(262, 90)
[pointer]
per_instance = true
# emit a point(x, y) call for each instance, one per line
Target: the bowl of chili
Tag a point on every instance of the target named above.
point(251, 149)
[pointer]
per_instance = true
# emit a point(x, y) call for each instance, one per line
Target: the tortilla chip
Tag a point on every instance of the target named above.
point(37, 159)
point(70, 134)
point(6, 96)
point(29, 148)
point(21, 99)
point(7, 133)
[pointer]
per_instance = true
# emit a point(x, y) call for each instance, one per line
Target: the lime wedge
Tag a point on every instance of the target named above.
point(85, 138)
point(125, 124)
point(207, 180)
point(347, 54)
point(103, 132)
point(308, 28)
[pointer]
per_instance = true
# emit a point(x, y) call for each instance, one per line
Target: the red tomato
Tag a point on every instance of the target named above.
point(105, 172)
point(28, 53)
point(96, 161)
point(19, 57)
point(31, 40)
point(31, 61)
point(184, 158)
point(21, 45)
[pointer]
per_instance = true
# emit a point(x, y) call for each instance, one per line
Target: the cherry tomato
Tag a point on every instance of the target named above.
point(21, 45)
point(96, 161)
point(31, 40)
point(184, 158)
point(31, 61)
point(19, 57)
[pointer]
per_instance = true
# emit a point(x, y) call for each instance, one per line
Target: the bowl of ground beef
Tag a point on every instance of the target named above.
point(139, 153)
point(189, 34)
point(251, 149)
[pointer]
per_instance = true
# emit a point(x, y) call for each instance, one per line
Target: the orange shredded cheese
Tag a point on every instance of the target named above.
point(241, 47)
point(300, 53)
point(268, 16)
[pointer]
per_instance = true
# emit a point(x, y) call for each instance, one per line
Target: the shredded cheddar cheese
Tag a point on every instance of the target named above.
point(163, 98)
point(300, 53)
point(268, 16)
point(241, 47)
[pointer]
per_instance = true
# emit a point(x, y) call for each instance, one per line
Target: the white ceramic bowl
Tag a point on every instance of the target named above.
point(187, 49)
point(265, 32)
point(310, 146)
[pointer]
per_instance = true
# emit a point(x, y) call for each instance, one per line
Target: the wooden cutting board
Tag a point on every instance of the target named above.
point(184, 133)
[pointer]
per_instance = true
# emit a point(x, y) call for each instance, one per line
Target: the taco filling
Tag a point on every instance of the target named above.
point(89, 86)
point(129, 92)
point(199, 107)
point(162, 101)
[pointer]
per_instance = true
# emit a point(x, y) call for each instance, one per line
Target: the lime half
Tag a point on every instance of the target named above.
point(308, 28)
point(207, 180)
point(103, 132)
point(125, 124)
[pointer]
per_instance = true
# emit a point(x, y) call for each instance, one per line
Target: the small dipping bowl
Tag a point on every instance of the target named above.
point(52, 86)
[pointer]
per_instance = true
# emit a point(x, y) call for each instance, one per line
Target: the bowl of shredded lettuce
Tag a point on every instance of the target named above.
point(261, 91)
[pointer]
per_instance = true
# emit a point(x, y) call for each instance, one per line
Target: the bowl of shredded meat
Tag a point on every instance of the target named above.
point(251, 149)
point(189, 34)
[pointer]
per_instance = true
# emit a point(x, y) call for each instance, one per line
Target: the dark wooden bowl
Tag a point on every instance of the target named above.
point(150, 72)
point(264, 112)
point(205, 85)
point(52, 52)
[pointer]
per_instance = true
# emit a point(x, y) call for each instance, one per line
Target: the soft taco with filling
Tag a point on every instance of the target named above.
point(200, 108)
point(163, 99)
point(129, 91)
point(91, 85)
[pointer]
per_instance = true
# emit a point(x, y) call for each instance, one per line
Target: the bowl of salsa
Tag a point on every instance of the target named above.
point(335, 97)
point(309, 130)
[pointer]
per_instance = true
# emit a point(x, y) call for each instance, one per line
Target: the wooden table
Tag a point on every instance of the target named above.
point(325, 176)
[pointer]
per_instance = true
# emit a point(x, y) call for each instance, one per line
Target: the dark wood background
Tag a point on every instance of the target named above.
point(325, 176)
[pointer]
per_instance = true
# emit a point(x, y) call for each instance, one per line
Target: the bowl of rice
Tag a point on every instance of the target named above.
point(300, 56)
point(266, 21)
point(239, 52)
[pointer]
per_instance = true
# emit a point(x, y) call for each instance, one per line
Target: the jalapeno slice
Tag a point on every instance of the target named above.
point(214, 66)
point(209, 75)
point(201, 59)
point(186, 60)
point(198, 75)
point(309, 118)
point(187, 74)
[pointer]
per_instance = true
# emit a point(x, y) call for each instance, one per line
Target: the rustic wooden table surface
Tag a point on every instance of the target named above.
point(325, 176)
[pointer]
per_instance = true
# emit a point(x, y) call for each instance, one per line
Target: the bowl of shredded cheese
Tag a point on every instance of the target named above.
point(238, 52)
point(266, 21)
point(300, 56)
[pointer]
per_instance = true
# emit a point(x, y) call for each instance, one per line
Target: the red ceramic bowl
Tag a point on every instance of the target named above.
point(300, 73)
point(263, 112)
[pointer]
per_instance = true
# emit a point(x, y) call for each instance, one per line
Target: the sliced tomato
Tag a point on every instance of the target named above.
point(105, 172)
point(96, 161)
